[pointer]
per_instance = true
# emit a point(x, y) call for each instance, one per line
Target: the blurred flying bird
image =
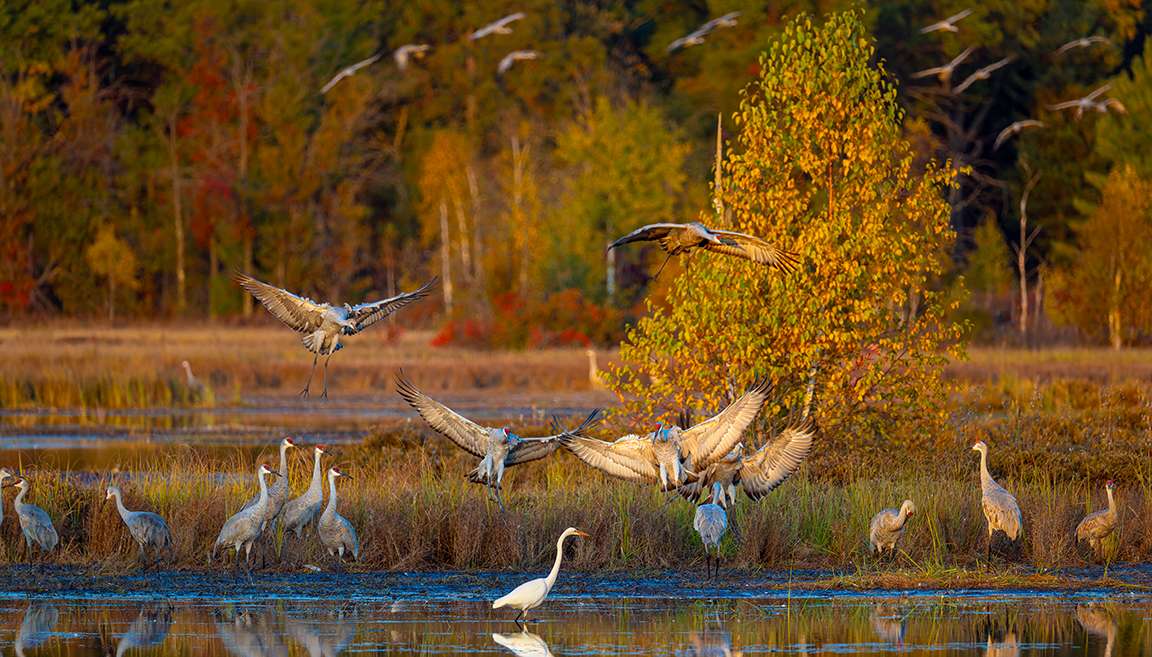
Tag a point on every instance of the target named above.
point(34, 523)
point(682, 238)
point(531, 595)
point(516, 56)
point(1083, 104)
point(710, 523)
point(498, 448)
point(670, 457)
point(887, 527)
point(1095, 527)
point(1000, 507)
point(1102, 107)
point(402, 54)
point(323, 322)
point(697, 36)
point(1082, 43)
point(336, 533)
point(1014, 129)
point(149, 529)
point(499, 27)
point(982, 74)
point(948, 24)
point(351, 70)
point(944, 73)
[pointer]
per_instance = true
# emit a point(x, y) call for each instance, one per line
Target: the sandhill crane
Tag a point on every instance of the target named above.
point(889, 625)
point(999, 505)
point(710, 523)
point(1082, 104)
point(516, 56)
point(682, 238)
point(944, 73)
point(34, 523)
point(671, 457)
point(594, 378)
point(499, 27)
point(1014, 129)
point(149, 630)
point(531, 595)
point(1082, 43)
point(36, 627)
point(351, 70)
point(1096, 621)
point(948, 24)
point(277, 497)
point(982, 74)
point(192, 382)
point(323, 322)
point(336, 533)
point(523, 644)
point(242, 529)
point(697, 36)
point(497, 448)
point(887, 527)
point(301, 513)
point(1095, 527)
point(1102, 106)
point(403, 53)
point(149, 529)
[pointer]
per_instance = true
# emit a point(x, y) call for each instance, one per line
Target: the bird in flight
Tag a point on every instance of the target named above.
point(404, 52)
point(499, 27)
point(1102, 107)
point(351, 70)
point(681, 238)
point(982, 74)
point(697, 36)
point(1084, 104)
point(323, 322)
point(1082, 43)
point(944, 72)
point(1014, 129)
point(515, 56)
point(948, 24)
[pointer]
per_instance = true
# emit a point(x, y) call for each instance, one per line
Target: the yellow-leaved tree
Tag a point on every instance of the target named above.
point(819, 167)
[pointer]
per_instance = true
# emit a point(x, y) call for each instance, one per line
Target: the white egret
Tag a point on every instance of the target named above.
point(530, 595)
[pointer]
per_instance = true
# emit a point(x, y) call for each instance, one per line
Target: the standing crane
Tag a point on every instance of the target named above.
point(323, 322)
point(1095, 527)
point(336, 533)
point(531, 595)
point(195, 386)
point(671, 457)
point(34, 523)
point(242, 529)
point(887, 527)
point(1000, 507)
point(277, 498)
point(497, 448)
point(710, 523)
point(683, 238)
point(149, 529)
point(301, 513)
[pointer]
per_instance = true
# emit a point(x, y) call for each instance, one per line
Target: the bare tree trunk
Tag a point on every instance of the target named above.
point(1115, 332)
point(1022, 249)
point(465, 249)
point(445, 257)
point(1039, 299)
point(177, 215)
point(717, 190)
point(477, 243)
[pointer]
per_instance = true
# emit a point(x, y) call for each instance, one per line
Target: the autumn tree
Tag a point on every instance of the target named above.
point(1105, 292)
point(112, 259)
point(819, 167)
point(988, 260)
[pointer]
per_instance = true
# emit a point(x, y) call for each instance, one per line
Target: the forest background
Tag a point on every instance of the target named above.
point(146, 147)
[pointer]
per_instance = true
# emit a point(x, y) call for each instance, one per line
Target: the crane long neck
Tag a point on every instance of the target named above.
point(985, 478)
point(900, 520)
point(19, 501)
point(551, 578)
point(124, 513)
point(263, 501)
point(317, 476)
point(283, 459)
point(331, 494)
point(1111, 502)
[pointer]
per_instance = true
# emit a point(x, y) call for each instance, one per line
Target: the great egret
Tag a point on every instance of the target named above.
point(530, 595)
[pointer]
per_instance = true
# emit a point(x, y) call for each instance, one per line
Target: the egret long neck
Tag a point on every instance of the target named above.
point(124, 513)
point(551, 578)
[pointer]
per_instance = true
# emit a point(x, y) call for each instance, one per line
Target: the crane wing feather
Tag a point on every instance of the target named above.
point(467, 435)
point(768, 467)
point(712, 439)
point(367, 314)
point(298, 313)
point(630, 458)
point(648, 233)
point(752, 248)
point(532, 449)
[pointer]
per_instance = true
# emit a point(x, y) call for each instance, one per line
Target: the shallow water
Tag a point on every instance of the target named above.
point(930, 624)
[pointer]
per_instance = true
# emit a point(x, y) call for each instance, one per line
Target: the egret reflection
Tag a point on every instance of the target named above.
point(524, 644)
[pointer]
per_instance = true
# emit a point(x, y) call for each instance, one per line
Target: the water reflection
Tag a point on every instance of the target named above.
point(940, 624)
point(524, 644)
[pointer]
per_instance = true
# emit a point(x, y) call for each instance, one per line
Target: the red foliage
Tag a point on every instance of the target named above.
point(564, 319)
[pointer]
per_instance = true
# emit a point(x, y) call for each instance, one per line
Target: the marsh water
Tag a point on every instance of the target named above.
point(924, 624)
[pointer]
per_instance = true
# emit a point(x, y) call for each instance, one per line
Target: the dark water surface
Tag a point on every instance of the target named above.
point(814, 624)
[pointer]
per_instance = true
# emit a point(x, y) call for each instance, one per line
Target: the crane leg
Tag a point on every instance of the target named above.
point(304, 392)
point(325, 393)
point(501, 503)
point(144, 559)
point(666, 259)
